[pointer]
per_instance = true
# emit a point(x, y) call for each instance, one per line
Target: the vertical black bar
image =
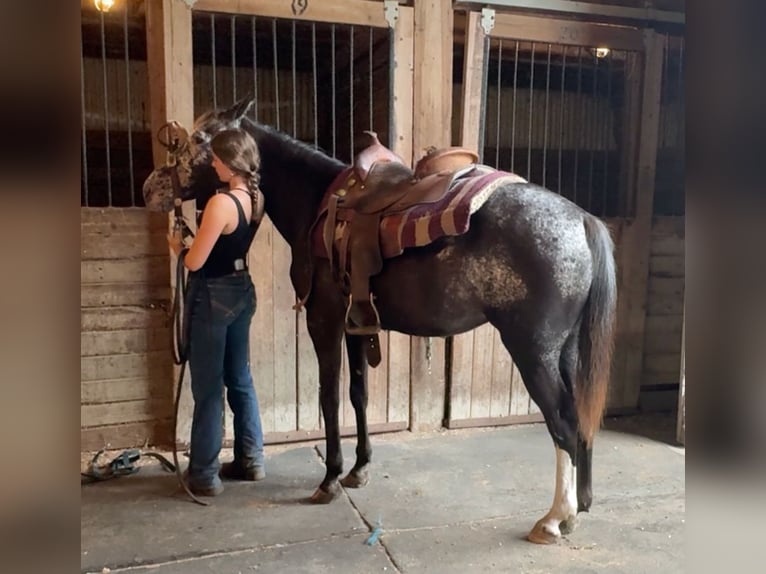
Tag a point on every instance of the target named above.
point(561, 112)
point(233, 59)
point(370, 73)
point(130, 126)
point(106, 115)
point(314, 69)
point(593, 130)
point(531, 109)
point(255, 70)
point(499, 96)
point(276, 70)
point(351, 90)
point(664, 96)
point(680, 95)
point(513, 109)
point(545, 124)
point(576, 132)
point(608, 130)
point(212, 53)
point(295, 88)
point(332, 68)
point(84, 135)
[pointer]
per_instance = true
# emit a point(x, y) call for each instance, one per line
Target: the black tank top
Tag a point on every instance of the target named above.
point(229, 248)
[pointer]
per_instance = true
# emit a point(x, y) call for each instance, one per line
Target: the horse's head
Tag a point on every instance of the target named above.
point(196, 176)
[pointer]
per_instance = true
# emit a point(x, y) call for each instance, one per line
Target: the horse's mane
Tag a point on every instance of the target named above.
point(292, 152)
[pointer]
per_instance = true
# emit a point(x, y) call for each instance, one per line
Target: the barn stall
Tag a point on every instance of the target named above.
point(529, 89)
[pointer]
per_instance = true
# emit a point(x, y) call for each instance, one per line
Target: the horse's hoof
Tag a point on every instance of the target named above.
point(567, 526)
point(323, 496)
point(356, 478)
point(543, 533)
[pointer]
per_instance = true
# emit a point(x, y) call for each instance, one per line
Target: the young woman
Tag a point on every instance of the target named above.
point(221, 303)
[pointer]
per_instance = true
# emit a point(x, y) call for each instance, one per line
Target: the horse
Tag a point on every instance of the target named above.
point(537, 267)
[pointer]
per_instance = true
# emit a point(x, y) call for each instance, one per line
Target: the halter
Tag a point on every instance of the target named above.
point(175, 139)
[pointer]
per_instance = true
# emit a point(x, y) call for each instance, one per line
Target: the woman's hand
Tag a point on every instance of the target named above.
point(175, 243)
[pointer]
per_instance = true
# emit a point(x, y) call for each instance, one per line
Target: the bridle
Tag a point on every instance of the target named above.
point(175, 139)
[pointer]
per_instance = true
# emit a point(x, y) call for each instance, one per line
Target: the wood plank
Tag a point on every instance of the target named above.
point(130, 294)
point(571, 32)
point(261, 266)
point(345, 431)
point(152, 433)
point(474, 65)
point(377, 386)
point(116, 219)
point(666, 286)
point(154, 365)
point(432, 97)
point(664, 362)
point(461, 375)
point(120, 245)
point(662, 305)
point(481, 387)
point(92, 415)
point(519, 395)
point(663, 325)
point(662, 343)
point(667, 266)
point(152, 270)
point(502, 372)
point(284, 332)
point(632, 310)
point(116, 390)
point(668, 225)
point(117, 318)
point(95, 343)
point(398, 378)
point(357, 12)
point(668, 245)
point(308, 379)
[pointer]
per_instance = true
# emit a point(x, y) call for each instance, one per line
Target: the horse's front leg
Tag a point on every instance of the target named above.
point(357, 362)
point(326, 334)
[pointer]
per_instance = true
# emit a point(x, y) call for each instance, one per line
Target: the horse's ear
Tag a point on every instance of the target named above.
point(237, 111)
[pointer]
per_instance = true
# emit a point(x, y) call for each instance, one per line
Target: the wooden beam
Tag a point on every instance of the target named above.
point(556, 31)
point(433, 21)
point(636, 247)
point(474, 65)
point(357, 12)
point(171, 97)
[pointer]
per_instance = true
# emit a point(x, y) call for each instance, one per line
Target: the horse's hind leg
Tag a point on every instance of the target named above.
point(539, 368)
point(359, 475)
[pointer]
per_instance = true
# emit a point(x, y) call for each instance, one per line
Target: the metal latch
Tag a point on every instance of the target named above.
point(487, 19)
point(391, 12)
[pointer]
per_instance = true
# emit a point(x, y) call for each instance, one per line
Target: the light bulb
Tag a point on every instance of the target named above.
point(602, 52)
point(103, 5)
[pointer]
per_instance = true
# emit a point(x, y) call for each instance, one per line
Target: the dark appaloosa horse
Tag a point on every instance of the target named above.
point(534, 265)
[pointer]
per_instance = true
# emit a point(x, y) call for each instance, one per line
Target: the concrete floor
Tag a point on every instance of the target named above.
point(449, 501)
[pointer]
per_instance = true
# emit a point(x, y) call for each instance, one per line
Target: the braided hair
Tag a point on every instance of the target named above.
point(237, 149)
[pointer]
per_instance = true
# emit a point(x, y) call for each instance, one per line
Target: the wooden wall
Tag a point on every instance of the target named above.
point(664, 315)
point(126, 387)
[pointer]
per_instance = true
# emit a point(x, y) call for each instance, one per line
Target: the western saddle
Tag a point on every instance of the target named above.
point(377, 185)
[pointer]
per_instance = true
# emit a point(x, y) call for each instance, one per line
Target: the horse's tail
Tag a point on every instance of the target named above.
point(596, 339)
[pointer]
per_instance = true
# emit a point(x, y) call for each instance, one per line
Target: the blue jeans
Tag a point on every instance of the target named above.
point(220, 312)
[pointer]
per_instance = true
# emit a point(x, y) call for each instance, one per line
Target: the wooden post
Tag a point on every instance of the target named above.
point(431, 127)
point(637, 231)
point(171, 97)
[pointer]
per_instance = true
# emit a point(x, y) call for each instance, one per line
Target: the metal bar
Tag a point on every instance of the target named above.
point(575, 131)
point(351, 90)
point(130, 126)
point(106, 115)
point(592, 130)
point(255, 70)
point(646, 14)
point(531, 108)
point(483, 99)
point(314, 69)
point(332, 68)
point(561, 114)
point(233, 59)
point(545, 123)
point(370, 75)
point(664, 95)
point(212, 52)
point(680, 94)
point(276, 70)
point(513, 109)
point(84, 135)
point(499, 96)
point(295, 95)
point(608, 129)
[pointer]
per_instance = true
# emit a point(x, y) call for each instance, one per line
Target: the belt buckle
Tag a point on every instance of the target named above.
point(239, 265)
